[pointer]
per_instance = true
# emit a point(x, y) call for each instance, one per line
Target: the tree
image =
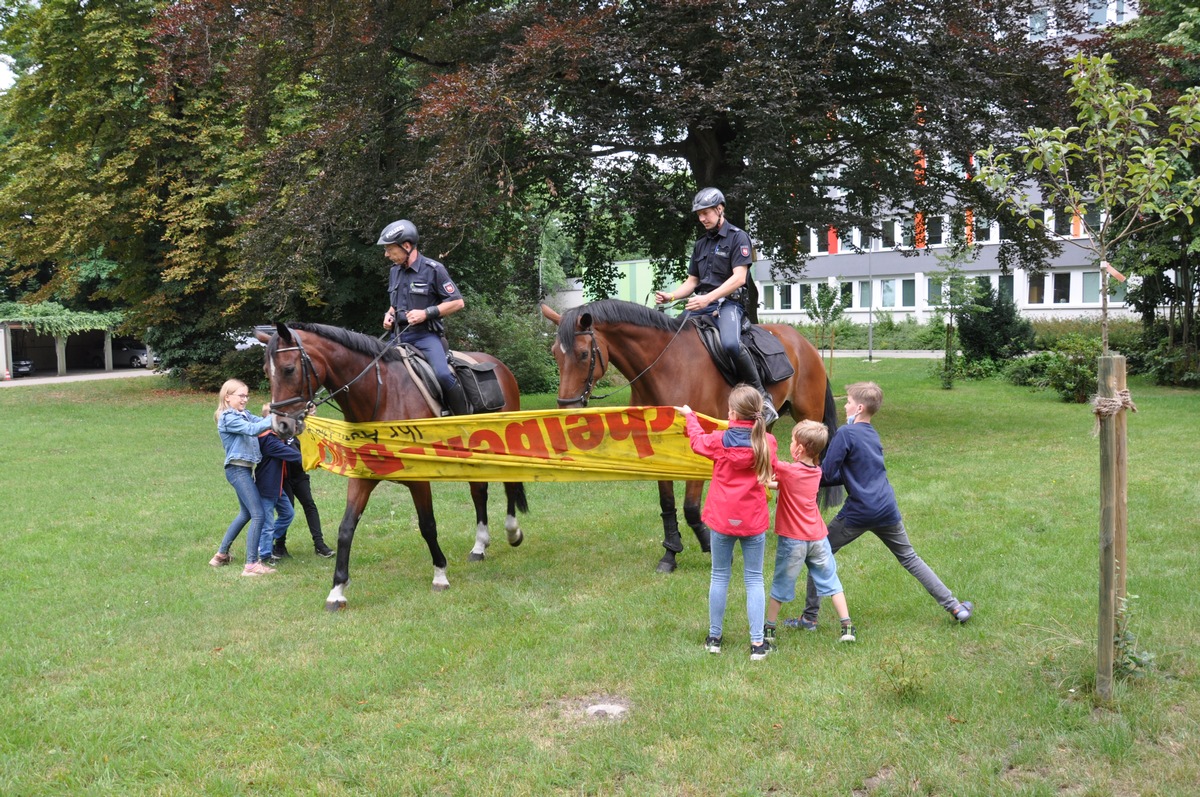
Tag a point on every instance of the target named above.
point(825, 308)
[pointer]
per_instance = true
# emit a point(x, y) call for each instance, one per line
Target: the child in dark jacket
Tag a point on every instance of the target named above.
point(277, 458)
point(298, 488)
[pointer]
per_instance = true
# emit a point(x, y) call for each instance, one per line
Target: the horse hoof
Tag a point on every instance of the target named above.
point(334, 606)
point(517, 540)
point(473, 557)
point(665, 567)
point(440, 587)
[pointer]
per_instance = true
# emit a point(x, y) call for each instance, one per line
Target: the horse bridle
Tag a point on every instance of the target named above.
point(308, 373)
point(594, 356)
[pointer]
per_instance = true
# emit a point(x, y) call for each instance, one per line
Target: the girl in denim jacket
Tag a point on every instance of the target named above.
point(239, 432)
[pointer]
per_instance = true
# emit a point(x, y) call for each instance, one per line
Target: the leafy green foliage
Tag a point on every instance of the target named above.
point(50, 318)
point(992, 329)
point(1072, 371)
point(507, 329)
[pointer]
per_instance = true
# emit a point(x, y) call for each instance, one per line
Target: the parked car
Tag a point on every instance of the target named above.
point(126, 352)
point(23, 368)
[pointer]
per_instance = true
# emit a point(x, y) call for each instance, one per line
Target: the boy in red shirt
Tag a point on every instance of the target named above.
point(802, 533)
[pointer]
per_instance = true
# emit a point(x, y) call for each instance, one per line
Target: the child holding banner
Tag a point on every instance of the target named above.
point(238, 429)
point(736, 508)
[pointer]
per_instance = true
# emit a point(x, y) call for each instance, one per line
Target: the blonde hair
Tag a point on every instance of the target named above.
point(813, 436)
point(868, 394)
point(746, 404)
point(230, 387)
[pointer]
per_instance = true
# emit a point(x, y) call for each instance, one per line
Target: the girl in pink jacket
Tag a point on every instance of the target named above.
point(736, 508)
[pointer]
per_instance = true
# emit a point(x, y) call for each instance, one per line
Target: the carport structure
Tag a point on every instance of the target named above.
point(49, 320)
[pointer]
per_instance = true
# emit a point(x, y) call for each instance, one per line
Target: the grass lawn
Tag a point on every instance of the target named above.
point(129, 666)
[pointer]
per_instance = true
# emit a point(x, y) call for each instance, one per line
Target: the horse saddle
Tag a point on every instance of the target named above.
point(768, 353)
point(479, 380)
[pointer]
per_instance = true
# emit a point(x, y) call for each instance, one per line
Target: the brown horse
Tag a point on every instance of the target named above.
point(668, 365)
point(369, 383)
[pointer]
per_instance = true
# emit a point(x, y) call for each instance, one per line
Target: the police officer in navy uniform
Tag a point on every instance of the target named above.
point(717, 275)
point(422, 292)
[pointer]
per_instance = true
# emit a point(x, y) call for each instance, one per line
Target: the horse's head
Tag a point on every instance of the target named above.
point(294, 379)
point(581, 354)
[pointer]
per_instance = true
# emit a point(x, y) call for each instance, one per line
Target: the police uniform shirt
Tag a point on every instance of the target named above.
point(425, 284)
point(716, 254)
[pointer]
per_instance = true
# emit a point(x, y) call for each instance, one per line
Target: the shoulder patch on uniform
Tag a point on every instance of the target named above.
point(448, 287)
point(745, 251)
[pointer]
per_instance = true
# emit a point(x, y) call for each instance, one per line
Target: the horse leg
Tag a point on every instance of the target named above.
point(357, 494)
point(422, 496)
point(515, 493)
point(691, 513)
point(479, 496)
point(671, 540)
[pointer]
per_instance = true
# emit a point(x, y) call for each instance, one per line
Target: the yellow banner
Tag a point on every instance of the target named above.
point(616, 443)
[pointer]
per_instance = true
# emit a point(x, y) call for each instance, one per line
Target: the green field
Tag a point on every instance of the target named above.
point(129, 666)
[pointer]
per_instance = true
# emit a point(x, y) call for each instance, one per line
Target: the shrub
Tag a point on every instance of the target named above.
point(1124, 334)
point(244, 364)
point(1168, 365)
point(1029, 371)
point(992, 329)
point(1072, 370)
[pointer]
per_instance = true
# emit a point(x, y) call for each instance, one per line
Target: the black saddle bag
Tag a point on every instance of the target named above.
point(481, 385)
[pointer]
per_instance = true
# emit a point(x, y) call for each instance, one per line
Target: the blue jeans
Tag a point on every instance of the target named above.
point(752, 574)
point(277, 516)
point(250, 511)
point(791, 555)
point(728, 318)
point(435, 352)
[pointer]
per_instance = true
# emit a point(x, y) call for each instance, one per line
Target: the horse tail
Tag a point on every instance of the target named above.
point(834, 494)
point(516, 491)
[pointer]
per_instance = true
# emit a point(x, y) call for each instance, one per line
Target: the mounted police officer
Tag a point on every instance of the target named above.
point(422, 293)
point(715, 284)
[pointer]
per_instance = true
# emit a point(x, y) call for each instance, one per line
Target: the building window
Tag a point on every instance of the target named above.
point(1062, 222)
point(983, 230)
point(864, 293)
point(984, 284)
point(785, 297)
point(1006, 287)
point(823, 240)
point(1092, 218)
point(908, 293)
point(1037, 288)
point(1038, 21)
point(804, 240)
point(1098, 12)
point(1091, 287)
point(887, 293)
point(889, 235)
point(1062, 288)
point(934, 295)
point(1118, 293)
point(802, 299)
point(907, 236)
point(847, 294)
point(768, 297)
point(934, 232)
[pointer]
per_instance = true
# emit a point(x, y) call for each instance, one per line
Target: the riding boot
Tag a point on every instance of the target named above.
point(456, 399)
point(748, 373)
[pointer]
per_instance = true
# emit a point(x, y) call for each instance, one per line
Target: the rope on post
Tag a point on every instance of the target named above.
point(1108, 406)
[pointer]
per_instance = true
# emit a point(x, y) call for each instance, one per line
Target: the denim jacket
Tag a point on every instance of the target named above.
point(239, 431)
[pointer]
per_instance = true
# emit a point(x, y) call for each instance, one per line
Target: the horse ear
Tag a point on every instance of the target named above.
point(550, 314)
point(585, 322)
point(285, 334)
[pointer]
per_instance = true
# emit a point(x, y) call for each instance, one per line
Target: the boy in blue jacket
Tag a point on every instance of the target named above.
point(277, 457)
point(855, 459)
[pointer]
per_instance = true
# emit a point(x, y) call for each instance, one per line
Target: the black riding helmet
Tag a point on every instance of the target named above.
point(707, 198)
point(398, 232)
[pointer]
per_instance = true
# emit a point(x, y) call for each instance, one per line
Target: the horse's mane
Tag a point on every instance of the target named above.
point(613, 311)
point(355, 341)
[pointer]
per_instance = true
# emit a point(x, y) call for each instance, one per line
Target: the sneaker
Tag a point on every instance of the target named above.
point(220, 560)
point(759, 652)
point(962, 611)
point(257, 569)
point(713, 644)
point(280, 551)
point(849, 634)
point(272, 560)
point(802, 623)
point(323, 550)
point(769, 634)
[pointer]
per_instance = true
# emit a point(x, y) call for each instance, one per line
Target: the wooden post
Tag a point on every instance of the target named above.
point(1109, 368)
point(1121, 484)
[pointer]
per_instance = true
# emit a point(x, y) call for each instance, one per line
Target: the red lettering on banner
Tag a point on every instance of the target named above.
point(451, 448)
point(588, 433)
point(485, 441)
point(632, 424)
point(379, 460)
point(526, 440)
point(558, 437)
